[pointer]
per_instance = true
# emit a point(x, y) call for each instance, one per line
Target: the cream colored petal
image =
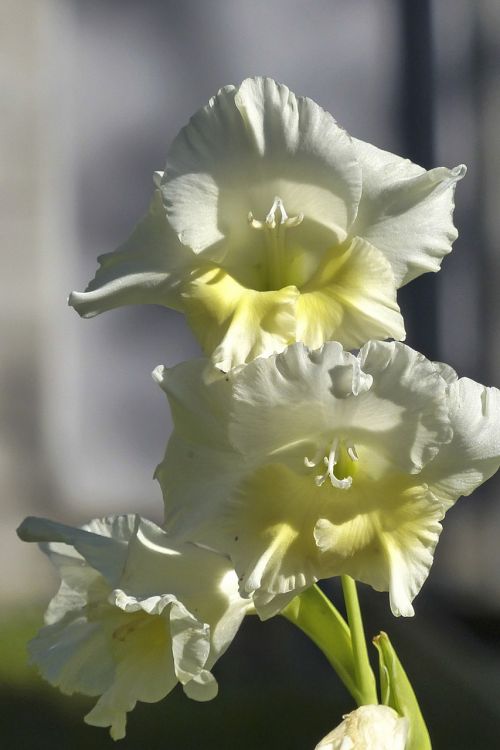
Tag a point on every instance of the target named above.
point(190, 643)
point(296, 402)
point(223, 629)
point(283, 402)
point(199, 446)
point(73, 655)
point(268, 605)
point(144, 670)
point(235, 324)
point(406, 212)
point(405, 415)
point(205, 607)
point(368, 728)
point(203, 687)
point(195, 480)
point(176, 610)
point(267, 528)
point(189, 637)
point(191, 394)
point(386, 540)
point(447, 373)
point(252, 489)
point(351, 298)
point(473, 455)
point(246, 146)
point(307, 144)
point(146, 269)
point(105, 552)
point(72, 593)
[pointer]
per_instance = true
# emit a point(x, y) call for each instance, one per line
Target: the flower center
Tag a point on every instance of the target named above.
point(274, 227)
point(340, 464)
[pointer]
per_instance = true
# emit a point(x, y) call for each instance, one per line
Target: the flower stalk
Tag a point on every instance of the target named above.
point(320, 620)
point(365, 679)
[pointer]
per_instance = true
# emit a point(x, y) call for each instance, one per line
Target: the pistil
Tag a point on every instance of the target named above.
point(341, 456)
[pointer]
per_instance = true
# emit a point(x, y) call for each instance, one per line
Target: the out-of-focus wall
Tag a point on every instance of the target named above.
point(467, 49)
point(22, 473)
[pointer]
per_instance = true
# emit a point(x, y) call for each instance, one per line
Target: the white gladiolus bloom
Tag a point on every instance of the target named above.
point(311, 464)
point(272, 225)
point(368, 728)
point(136, 613)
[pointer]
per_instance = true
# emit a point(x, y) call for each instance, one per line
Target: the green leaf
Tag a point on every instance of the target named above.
point(320, 620)
point(397, 693)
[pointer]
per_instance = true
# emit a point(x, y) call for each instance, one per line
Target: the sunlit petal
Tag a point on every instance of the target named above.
point(173, 610)
point(325, 463)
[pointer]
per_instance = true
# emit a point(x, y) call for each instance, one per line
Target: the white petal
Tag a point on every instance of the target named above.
point(235, 324)
point(405, 211)
point(106, 553)
point(190, 643)
point(223, 629)
point(190, 396)
point(247, 484)
point(202, 688)
point(269, 605)
point(286, 400)
point(473, 455)
point(244, 148)
point(74, 655)
point(199, 448)
point(447, 373)
point(205, 607)
point(405, 415)
point(146, 269)
point(285, 403)
point(351, 298)
point(307, 144)
point(267, 528)
point(195, 480)
point(386, 539)
point(143, 671)
point(175, 611)
point(368, 728)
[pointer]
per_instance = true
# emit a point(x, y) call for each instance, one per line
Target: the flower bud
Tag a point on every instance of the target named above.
point(368, 728)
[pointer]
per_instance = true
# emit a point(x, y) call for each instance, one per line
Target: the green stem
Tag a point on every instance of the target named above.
point(365, 679)
point(316, 616)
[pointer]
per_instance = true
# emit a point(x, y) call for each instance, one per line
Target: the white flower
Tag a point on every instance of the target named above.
point(368, 728)
point(135, 614)
point(272, 225)
point(307, 465)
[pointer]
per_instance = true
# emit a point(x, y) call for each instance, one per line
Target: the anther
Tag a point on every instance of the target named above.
point(351, 451)
point(276, 217)
point(311, 462)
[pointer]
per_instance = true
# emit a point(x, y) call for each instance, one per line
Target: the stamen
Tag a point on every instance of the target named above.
point(311, 462)
point(330, 462)
point(255, 223)
point(276, 217)
point(276, 221)
point(351, 451)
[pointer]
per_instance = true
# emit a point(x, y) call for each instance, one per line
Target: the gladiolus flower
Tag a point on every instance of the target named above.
point(271, 225)
point(368, 728)
point(311, 464)
point(136, 613)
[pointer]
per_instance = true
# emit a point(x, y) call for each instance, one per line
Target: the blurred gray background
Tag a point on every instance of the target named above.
point(93, 92)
